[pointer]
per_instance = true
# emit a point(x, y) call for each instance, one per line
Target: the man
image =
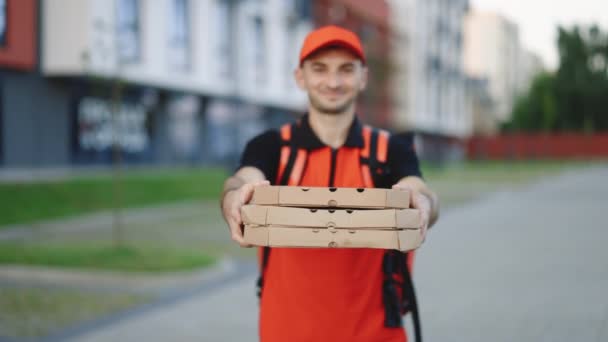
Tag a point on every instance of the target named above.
point(326, 294)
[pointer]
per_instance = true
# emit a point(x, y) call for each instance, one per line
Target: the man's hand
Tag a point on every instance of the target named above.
point(421, 202)
point(232, 202)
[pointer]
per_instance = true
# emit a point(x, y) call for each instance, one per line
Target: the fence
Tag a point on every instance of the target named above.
point(539, 146)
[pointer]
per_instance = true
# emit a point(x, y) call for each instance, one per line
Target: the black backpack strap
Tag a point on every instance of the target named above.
point(410, 302)
point(373, 160)
point(396, 263)
point(390, 297)
point(292, 163)
point(260, 282)
point(373, 157)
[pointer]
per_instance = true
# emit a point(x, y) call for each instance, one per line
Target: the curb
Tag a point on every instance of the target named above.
point(240, 271)
point(109, 281)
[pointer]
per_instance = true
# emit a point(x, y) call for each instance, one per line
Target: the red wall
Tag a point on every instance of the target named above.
point(532, 146)
point(19, 50)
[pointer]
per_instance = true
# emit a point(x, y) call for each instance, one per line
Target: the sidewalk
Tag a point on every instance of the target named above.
point(530, 265)
point(225, 314)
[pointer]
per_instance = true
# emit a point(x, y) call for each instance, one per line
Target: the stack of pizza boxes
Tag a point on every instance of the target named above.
point(288, 216)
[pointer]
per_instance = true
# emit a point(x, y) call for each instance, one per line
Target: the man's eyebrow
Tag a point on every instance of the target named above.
point(317, 63)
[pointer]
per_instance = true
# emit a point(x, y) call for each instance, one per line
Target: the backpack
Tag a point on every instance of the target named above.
point(395, 265)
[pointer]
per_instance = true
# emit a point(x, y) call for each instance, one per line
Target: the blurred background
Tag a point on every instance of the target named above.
point(120, 119)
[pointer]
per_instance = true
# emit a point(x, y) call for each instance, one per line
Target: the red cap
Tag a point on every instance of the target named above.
point(331, 35)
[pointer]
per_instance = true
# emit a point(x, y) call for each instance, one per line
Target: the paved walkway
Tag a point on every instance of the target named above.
point(530, 265)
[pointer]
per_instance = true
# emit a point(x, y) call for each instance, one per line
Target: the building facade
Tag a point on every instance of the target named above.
point(160, 81)
point(491, 52)
point(369, 19)
point(429, 83)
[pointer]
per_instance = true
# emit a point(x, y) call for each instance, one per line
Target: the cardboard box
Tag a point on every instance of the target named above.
point(327, 218)
point(300, 227)
point(294, 196)
point(401, 239)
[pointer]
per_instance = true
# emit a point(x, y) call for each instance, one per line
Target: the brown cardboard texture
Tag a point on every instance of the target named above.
point(337, 218)
point(294, 196)
point(297, 227)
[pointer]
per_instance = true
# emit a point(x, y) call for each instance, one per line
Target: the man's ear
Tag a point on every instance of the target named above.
point(299, 77)
point(364, 77)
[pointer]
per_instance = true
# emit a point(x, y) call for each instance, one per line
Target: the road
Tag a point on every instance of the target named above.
point(526, 265)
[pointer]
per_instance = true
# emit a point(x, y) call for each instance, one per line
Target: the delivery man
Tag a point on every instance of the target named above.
point(328, 294)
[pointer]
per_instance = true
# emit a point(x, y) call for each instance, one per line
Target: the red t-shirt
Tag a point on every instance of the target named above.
point(320, 294)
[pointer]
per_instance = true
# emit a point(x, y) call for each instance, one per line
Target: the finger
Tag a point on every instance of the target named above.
point(235, 214)
point(247, 193)
point(399, 186)
point(415, 202)
point(419, 201)
point(237, 234)
point(423, 218)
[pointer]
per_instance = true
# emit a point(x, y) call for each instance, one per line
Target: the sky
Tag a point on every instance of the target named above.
point(538, 20)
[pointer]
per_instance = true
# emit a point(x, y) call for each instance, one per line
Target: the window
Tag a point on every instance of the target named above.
point(260, 50)
point(3, 22)
point(179, 35)
point(223, 33)
point(127, 20)
point(291, 52)
point(304, 8)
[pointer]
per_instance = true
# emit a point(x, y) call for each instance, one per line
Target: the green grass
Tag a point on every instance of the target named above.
point(105, 257)
point(27, 202)
point(499, 171)
point(30, 312)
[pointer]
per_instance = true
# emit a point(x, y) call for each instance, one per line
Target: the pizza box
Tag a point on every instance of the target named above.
point(327, 218)
point(297, 196)
point(300, 227)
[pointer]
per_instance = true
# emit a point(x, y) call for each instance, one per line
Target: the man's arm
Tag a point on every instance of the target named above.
point(238, 191)
point(422, 198)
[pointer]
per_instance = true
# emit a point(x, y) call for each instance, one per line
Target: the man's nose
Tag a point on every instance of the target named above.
point(334, 80)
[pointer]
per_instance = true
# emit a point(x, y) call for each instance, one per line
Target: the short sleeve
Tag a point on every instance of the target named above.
point(262, 152)
point(402, 159)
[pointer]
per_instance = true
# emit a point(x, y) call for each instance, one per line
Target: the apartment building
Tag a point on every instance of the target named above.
point(491, 52)
point(162, 81)
point(428, 80)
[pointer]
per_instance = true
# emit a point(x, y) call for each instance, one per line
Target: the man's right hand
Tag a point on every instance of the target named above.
point(231, 209)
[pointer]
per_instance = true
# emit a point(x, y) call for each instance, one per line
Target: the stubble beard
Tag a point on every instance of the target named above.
point(331, 110)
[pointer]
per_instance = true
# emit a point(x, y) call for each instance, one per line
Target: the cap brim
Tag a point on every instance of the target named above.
point(337, 43)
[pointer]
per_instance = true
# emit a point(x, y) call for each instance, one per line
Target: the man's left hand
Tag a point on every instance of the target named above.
point(421, 202)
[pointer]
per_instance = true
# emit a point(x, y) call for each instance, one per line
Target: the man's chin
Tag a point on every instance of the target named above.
point(332, 109)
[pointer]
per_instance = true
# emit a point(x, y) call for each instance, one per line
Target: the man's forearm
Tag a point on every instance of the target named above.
point(231, 184)
point(243, 176)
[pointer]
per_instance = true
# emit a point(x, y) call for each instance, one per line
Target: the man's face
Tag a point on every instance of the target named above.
point(332, 78)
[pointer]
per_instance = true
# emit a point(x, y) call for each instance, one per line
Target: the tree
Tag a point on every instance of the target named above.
point(575, 97)
point(536, 111)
